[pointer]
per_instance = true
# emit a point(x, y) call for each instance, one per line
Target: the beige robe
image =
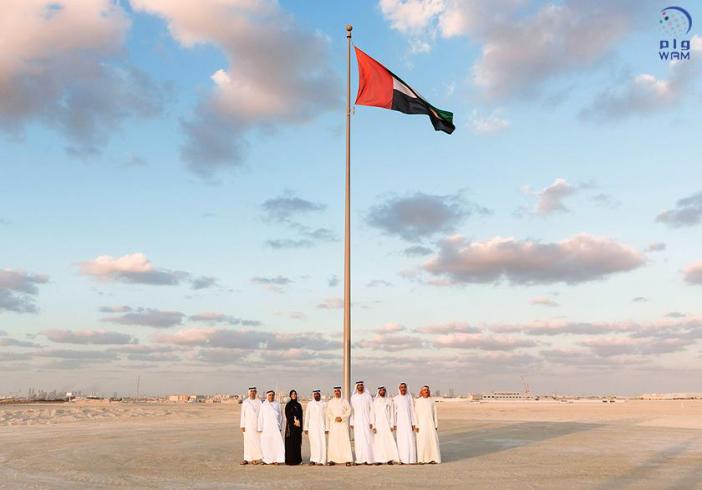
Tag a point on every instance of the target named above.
point(270, 425)
point(362, 419)
point(427, 438)
point(249, 422)
point(315, 423)
point(405, 418)
point(339, 443)
point(384, 446)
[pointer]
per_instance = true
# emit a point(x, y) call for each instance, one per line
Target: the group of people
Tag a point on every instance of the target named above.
point(274, 436)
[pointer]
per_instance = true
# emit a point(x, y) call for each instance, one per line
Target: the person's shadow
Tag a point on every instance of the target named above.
point(456, 446)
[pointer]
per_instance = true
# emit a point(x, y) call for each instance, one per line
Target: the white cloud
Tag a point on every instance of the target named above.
point(9, 342)
point(60, 66)
point(211, 317)
point(481, 341)
point(672, 327)
point(578, 259)
point(521, 54)
point(550, 199)
point(617, 346)
point(420, 215)
point(132, 268)
point(687, 212)
point(656, 247)
point(488, 124)
point(411, 15)
point(378, 282)
point(391, 327)
point(276, 73)
point(249, 340)
point(18, 290)
point(148, 317)
point(331, 304)
point(389, 342)
point(275, 284)
point(646, 94)
point(693, 273)
point(524, 44)
point(96, 337)
point(563, 327)
point(544, 301)
point(136, 268)
point(287, 207)
point(447, 328)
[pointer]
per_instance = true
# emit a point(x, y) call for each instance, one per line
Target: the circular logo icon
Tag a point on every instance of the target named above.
point(675, 21)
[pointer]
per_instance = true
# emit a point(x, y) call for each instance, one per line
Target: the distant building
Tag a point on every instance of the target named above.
point(671, 396)
point(503, 395)
point(181, 398)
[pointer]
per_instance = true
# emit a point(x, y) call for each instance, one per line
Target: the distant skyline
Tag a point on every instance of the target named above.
point(171, 197)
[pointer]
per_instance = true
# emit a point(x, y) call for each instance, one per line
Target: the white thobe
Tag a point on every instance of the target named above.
point(270, 423)
point(405, 418)
point(362, 419)
point(384, 446)
point(249, 422)
point(427, 437)
point(339, 445)
point(315, 423)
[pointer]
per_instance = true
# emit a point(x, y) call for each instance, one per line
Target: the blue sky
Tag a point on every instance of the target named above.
point(172, 197)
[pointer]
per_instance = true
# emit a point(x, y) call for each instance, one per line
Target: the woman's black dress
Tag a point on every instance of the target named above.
point(293, 433)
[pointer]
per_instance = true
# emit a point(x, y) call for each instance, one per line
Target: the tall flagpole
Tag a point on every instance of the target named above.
point(347, 232)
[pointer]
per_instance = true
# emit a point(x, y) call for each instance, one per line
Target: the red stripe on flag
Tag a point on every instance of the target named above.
point(374, 82)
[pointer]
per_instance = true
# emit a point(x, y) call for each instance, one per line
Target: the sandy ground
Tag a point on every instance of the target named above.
point(636, 444)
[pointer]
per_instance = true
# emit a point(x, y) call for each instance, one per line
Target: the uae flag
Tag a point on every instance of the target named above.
point(379, 87)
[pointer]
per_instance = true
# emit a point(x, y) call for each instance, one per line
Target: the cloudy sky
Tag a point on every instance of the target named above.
point(171, 197)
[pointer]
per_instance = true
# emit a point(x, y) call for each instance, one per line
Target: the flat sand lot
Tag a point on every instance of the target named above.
point(634, 444)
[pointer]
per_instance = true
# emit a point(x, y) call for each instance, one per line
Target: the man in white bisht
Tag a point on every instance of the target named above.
point(405, 424)
point(270, 423)
point(315, 426)
point(362, 420)
point(427, 425)
point(339, 444)
point(384, 447)
point(249, 426)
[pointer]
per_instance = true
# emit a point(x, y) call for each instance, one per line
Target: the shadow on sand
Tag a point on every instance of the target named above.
point(456, 446)
point(647, 469)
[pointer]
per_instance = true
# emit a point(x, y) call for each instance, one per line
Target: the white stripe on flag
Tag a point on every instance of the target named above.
point(401, 87)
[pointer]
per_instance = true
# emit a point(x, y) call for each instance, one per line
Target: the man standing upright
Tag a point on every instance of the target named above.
point(315, 426)
point(428, 450)
point(405, 424)
point(338, 413)
point(384, 447)
point(362, 420)
point(249, 426)
point(270, 423)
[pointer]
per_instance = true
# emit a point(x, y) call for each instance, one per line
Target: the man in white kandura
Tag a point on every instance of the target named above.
point(315, 426)
point(270, 423)
point(405, 424)
point(339, 445)
point(384, 447)
point(362, 420)
point(427, 426)
point(249, 426)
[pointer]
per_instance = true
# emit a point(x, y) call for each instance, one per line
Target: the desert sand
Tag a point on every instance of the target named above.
point(634, 444)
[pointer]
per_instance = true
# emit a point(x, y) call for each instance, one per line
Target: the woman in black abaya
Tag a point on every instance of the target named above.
point(293, 430)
